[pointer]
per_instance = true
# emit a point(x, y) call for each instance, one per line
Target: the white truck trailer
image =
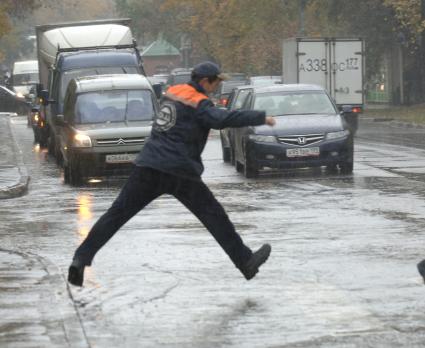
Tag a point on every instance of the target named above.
point(336, 64)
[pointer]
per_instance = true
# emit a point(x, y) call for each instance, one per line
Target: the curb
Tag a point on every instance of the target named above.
point(59, 292)
point(21, 187)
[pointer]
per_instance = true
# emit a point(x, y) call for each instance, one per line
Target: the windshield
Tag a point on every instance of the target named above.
point(68, 75)
point(25, 79)
point(114, 106)
point(294, 103)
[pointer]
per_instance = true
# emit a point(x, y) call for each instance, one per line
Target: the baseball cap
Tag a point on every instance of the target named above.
point(209, 69)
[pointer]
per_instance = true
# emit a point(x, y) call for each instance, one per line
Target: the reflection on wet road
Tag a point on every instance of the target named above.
point(341, 274)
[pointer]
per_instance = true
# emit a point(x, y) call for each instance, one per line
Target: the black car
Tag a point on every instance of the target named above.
point(309, 131)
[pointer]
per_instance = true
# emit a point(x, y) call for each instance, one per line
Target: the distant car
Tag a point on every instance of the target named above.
point(107, 120)
point(12, 102)
point(158, 78)
point(38, 124)
point(264, 80)
point(309, 131)
point(222, 94)
point(178, 76)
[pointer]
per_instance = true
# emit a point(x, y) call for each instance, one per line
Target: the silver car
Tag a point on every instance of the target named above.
point(106, 121)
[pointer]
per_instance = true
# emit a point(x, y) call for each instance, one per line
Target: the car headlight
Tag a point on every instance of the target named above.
point(337, 135)
point(82, 140)
point(263, 138)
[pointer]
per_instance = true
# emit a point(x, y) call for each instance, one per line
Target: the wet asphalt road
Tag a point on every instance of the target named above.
point(341, 274)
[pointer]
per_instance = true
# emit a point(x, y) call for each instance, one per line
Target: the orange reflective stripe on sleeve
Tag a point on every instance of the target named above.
point(185, 94)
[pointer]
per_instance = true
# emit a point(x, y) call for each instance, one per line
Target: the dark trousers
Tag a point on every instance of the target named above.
point(146, 184)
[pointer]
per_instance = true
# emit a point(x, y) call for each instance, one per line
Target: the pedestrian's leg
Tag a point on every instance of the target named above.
point(141, 188)
point(197, 197)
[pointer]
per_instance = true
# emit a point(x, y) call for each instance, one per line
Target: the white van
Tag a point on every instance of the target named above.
point(24, 76)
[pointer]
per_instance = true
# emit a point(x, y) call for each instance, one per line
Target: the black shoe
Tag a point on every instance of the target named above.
point(250, 269)
point(421, 269)
point(76, 273)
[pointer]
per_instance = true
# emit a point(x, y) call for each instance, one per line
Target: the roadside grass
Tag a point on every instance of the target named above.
point(409, 114)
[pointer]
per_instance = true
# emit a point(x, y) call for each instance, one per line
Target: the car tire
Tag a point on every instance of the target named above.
point(225, 150)
point(37, 136)
point(51, 144)
point(74, 173)
point(249, 170)
point(238, 166)
point(66, 176)
point(331, 168)
point(346, 167)
point(232, 155)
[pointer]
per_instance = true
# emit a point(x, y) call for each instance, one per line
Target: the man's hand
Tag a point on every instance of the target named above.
point(270, 121)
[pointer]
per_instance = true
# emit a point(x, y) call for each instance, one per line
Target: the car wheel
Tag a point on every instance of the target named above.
point(331, 168)
point(51, 144)
point(346, 167)
point(37, 136)
point(58, 156)
point(249, 169)
point(66, 175)
point(232, 155)
point(225, 150)
point(74, 173)
point(238, 166)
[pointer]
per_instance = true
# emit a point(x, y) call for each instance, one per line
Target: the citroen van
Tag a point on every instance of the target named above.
point(106, 121)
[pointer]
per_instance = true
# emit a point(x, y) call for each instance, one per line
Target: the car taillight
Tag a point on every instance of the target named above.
point(356, 110)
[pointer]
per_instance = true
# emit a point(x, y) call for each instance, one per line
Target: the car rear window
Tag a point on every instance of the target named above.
point(114, 106)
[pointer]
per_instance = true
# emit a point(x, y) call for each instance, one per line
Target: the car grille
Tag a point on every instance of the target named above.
point(121, 141)
point(301, 140)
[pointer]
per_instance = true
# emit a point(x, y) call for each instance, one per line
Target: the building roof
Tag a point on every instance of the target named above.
point(160, 47)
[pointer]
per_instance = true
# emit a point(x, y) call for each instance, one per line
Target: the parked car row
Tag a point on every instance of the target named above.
point(310, 131)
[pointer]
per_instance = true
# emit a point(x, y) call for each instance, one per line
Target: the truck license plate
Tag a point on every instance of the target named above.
point(303, 152)
point(121, 158)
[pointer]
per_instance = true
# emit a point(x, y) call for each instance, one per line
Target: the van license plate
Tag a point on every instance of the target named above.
point(121, 158)
point(303, 152)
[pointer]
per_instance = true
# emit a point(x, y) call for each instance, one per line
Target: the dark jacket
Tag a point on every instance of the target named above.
point(180, 132)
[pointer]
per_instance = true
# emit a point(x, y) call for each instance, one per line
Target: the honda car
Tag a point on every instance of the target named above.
point(309, 131)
